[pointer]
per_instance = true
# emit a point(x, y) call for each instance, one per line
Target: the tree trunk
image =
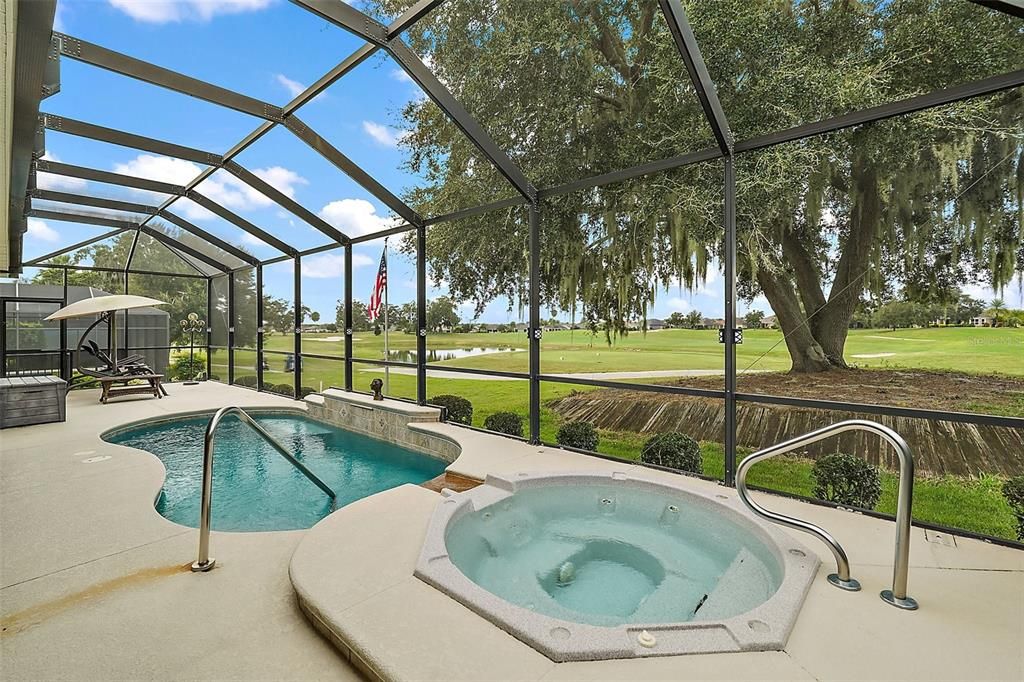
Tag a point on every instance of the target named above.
point(805, 352)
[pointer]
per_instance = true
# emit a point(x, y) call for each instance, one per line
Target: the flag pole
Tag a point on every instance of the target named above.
point(387, 352)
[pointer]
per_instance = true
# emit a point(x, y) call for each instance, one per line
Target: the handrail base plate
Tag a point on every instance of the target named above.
point(907, 603)
point(851, 585)
point(203, 568)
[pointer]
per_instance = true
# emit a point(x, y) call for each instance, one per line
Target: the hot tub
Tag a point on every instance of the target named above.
point(597, 566)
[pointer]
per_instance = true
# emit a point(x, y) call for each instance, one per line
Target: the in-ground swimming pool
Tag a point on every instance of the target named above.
point(254, 487)
point(610, 566)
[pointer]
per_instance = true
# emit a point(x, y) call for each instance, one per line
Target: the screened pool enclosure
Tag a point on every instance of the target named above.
point(692, 161)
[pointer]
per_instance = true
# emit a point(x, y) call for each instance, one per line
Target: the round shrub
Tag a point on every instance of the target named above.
point(182, 369)
point(457, 408)
point(281, 389)
point(247, 380)
point(579, 435)
point(306, 390)
point(673, 450)
point(505, 422)
point(1013, 491)
point(847, 480)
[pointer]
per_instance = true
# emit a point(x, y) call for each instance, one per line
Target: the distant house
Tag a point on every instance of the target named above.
point(982, 321)
point(654, 323)
point(713, 323)
point(770, 322)
point(556, 327)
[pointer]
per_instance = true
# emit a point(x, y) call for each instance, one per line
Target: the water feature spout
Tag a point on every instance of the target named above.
point(566, 573)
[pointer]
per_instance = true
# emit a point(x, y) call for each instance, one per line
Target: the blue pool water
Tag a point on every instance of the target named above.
point(254, 487)
point(612, 555)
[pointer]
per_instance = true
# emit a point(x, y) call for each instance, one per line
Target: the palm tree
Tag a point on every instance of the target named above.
point(996, 309)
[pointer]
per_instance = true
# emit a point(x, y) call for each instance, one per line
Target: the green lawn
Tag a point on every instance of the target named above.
point(964, 349)
point(974, 504)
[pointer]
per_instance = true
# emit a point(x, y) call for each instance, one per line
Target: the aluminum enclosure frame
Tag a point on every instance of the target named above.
point(388, 38)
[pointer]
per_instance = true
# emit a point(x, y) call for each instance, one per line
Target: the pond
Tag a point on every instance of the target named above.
point(442, 354)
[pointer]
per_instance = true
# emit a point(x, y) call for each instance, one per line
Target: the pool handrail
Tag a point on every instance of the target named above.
point(897, 596)
point(205, 562)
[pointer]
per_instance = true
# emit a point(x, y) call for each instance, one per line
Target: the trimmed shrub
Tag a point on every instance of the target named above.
point(847, 480)
point(673, 450)
point(580, 435)
point(181, 369)
point(248, 380)
point(281, 389)
point(1013, 491)
point(457, 408)
point(306, 390)
point(505, 422)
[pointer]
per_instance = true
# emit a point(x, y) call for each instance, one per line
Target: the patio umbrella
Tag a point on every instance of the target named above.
point(106, 307)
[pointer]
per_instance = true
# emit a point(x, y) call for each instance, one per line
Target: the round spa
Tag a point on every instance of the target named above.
point(596, 566)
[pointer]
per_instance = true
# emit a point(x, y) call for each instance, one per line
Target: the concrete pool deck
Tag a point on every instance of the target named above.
point(94, 584)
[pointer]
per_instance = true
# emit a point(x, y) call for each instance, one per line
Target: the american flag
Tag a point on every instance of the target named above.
point(377, 297)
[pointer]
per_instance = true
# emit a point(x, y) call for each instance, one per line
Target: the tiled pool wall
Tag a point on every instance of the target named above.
point(387, 420)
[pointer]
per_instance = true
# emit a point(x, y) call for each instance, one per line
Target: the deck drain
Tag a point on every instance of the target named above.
point(797, 552)
point(93, 460)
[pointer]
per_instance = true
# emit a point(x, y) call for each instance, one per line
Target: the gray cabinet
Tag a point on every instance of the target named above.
point(32, 400)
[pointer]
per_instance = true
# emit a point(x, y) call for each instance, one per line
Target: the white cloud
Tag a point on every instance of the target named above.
point(251, 240)
point(38, 229)
point(383, 134)
point(678, 304)
point(355, 217)
point(361, 260)
point(294, 88)
point(221, 187)
point(401, 76)
point(58, 182)
point(324, 266)
point(164, 11)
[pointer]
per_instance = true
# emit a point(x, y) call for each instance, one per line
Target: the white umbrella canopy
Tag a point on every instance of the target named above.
point(103, 304)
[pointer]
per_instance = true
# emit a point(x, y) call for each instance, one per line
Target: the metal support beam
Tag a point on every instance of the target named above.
point(686, 43)
point(349, 168)
point(534, 327)
point(444, 99)
point(1014, 8)
point(284, 201)
point(259, 327)
point(71, 126)
point(212, 239)
point(985, 86)
point(730, 321)
point(209, 327)
point(184, 248)
point(347, 322)
point(231, 327)
point(84, 218)
point(421, 315)
point(349, 18)
point(95, 202)
point(240, 222)
point(70, 171)
point(74, 247)
point(95, 55)
point(32, 38)
point(297, 337)
point(368, 28)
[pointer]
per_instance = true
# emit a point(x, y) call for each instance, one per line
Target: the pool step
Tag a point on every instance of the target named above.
point(746, 581)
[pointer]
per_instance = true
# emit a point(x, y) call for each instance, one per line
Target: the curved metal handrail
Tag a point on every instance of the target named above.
point(897, 596)
point(204, 562)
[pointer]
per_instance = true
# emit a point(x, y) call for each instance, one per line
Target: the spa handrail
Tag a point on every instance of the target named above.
point(204, 562)
point(897, 596)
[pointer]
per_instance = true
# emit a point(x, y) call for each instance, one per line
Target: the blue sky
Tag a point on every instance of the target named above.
point(271, 50)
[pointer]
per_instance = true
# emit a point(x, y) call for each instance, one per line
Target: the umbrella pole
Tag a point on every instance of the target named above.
point(112, 337)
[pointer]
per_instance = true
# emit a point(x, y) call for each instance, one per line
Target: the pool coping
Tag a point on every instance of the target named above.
point(764, 628)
